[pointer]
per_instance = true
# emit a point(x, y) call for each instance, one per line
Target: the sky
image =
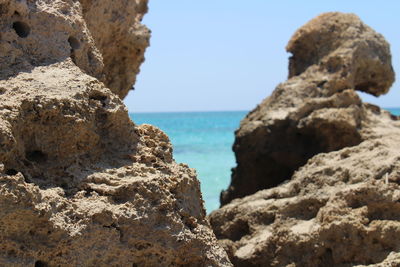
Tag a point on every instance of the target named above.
point(221, 55)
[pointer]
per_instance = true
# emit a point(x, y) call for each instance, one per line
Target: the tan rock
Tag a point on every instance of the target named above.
point(120, 38)
point(349, 52)
point(339, 204)
point(317, 109)
point(80, 183)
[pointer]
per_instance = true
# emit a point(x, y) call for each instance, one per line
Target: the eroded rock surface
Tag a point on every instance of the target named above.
point(317, 109)
point(334, 160)
point(80, 183)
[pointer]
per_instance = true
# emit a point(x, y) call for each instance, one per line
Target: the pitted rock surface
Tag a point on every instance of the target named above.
point(331, 162)
point(80, 183)
point(317, 109)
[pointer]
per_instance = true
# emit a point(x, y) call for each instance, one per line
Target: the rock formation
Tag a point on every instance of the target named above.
point(316, 110)
point(80, 183)
point(331, 162)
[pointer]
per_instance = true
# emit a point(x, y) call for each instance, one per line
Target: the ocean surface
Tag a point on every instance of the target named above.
point(203, 140)
point(395, 111)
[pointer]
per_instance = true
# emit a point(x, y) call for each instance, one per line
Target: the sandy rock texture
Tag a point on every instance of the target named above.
point(80, 183)
point(331, 162)
point(317, 109)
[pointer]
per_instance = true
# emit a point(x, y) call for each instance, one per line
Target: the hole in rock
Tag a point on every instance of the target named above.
point(36, 156)
point(88, 192)
point(327, 258)
point(11, 172)
point(321, 84)
point(238, 229)
point(242, 229)
point(21, 28)
point(98, 96)
point(121, 199)
point(40, 264)
point(74, 43)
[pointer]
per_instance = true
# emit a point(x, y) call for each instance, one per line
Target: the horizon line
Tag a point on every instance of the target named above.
point(191, 111)
point(200, 111)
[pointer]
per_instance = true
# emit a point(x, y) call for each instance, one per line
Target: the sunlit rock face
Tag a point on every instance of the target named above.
point(317, 181)
point(317, 109)
point(80, 183)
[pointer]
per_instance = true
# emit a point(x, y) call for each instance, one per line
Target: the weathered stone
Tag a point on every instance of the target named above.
point(340, 158)
point(80, 183)
point(120, 38)
point(349, 52)
point(317, 109)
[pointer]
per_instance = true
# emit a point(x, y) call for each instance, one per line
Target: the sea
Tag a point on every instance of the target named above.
point(203, 140)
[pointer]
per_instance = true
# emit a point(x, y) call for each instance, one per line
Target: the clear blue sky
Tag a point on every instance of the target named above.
point(229, 55)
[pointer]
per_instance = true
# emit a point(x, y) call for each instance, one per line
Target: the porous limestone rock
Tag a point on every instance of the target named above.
point(340, 203)
point(120, 38)
point(80, 183)
point(317, 109)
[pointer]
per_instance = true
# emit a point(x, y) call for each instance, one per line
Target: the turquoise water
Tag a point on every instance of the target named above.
point(395, 111)
point(204, 141)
